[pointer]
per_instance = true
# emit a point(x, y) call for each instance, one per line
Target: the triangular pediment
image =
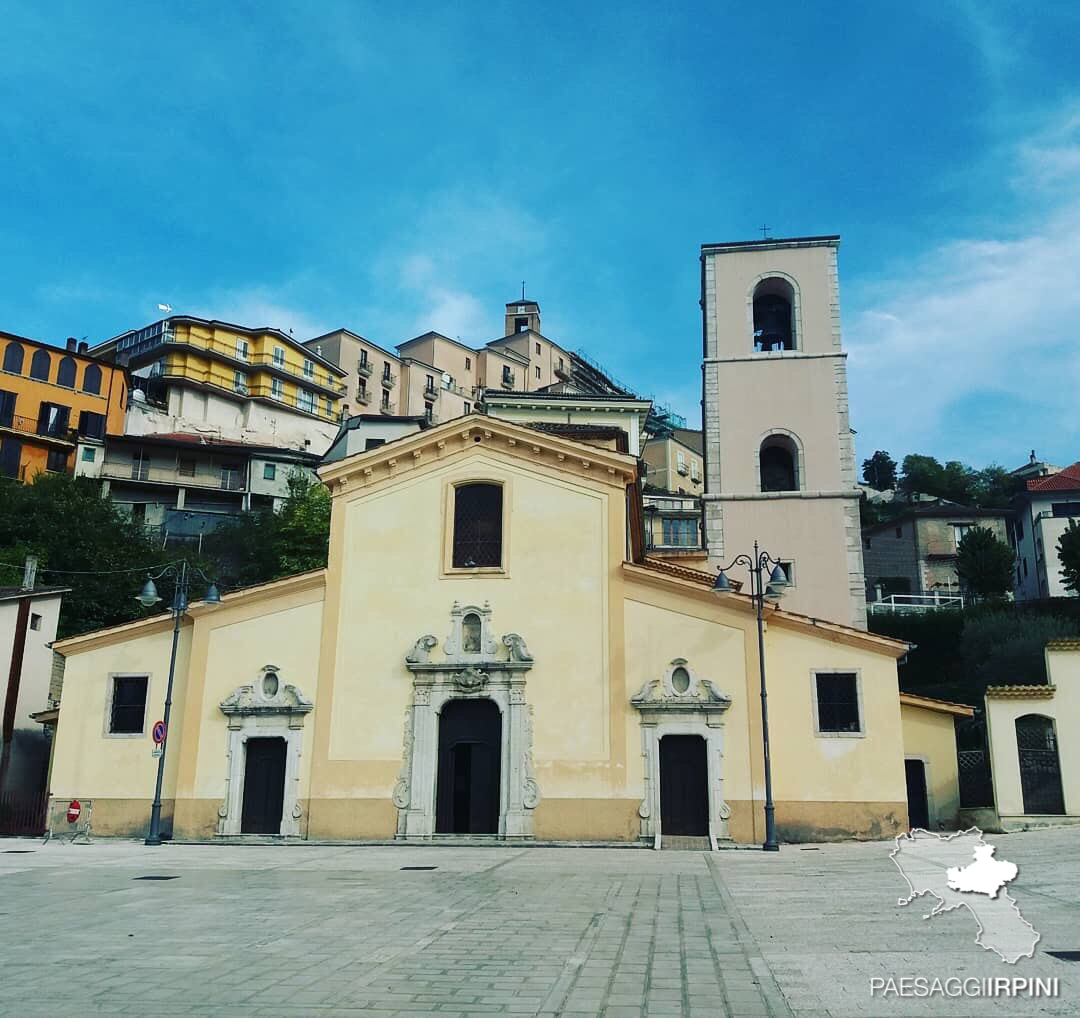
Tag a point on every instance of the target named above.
point(465, 436)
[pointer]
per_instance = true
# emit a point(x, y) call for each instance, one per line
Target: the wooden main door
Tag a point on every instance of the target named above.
point(918, 807)
point(470, 753)
point(684, 786)
point(264, 787)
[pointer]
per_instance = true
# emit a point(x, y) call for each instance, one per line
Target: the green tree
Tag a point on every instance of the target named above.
point(1068, 549)
point(924, 475)
point(81, 540)
point(1008, 647)
point(984, 563)
point(262, 545)
point(879, 471)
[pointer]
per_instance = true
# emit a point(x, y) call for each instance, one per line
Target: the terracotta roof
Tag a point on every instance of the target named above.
point(1040, 692)
point(683, 572)
point(932, 703)
point(14, 593)
point(1064, 480)
point(1063, 645)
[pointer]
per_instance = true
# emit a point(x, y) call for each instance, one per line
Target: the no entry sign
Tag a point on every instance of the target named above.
point(73, 811)
point(158, 732)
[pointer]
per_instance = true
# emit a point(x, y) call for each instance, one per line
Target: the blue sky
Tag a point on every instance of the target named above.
point(310, 166)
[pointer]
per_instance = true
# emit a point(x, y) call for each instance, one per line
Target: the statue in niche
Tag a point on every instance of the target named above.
point(470, 634)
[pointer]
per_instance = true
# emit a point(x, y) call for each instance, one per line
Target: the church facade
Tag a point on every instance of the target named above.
point(489, 652)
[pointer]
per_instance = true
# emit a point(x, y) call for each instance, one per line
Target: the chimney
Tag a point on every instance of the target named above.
point(83, 347)
point(71, 343)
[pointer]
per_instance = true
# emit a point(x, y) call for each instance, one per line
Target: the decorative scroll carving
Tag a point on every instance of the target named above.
point(516, 645)
point(401, 789)
point(422, 650)
point(531, 794)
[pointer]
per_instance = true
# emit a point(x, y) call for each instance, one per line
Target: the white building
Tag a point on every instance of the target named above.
point(1043, 513)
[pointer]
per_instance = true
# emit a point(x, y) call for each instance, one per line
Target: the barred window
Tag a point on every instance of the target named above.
point(477, 526)
point(838, 702)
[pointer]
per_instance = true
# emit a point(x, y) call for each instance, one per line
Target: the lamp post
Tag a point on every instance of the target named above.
point(761, 592)
point(148, 597)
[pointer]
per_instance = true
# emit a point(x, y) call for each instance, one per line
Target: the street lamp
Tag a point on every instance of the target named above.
point(148, 597)
point(761, 591)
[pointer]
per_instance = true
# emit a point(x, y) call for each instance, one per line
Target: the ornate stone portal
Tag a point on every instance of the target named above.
point(473, 667)
point(266, 709)
point(682, 703)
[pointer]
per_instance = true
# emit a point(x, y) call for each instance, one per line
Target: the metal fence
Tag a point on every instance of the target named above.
point(976, 784)
point(22, 814)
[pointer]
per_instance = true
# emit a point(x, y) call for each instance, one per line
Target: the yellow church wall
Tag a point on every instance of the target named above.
point(930, 736)
point(386, 601)
point(117, 772)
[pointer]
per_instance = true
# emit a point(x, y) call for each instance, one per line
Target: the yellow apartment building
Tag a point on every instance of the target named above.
point(52, 399)
point(233, 382)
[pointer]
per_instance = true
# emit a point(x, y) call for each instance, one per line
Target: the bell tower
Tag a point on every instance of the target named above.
point(779, 452)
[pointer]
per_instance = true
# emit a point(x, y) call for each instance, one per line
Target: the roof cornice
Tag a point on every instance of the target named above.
point(455, 436)
point(931, 703)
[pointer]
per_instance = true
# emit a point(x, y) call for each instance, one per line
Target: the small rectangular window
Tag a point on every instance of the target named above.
point(467, 408)
point(373, 443)
point(309, 368)
point(186, 466)
point(127, 714)
point(838, 703)
point(693, 470)
point(91, 425)
point(269, 471)
point(279, 356)
point(89, 454)
point(537, 372)
point(538, 348)
point(468, 363)
point(277, 388)
point(35, 620)
point(240, 382)
point(56, 461)
point(242, 349)
point(306, 401)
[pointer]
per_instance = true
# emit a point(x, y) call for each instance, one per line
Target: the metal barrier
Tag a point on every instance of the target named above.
point(60, 825)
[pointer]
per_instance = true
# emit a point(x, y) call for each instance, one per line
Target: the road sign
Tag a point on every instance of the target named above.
point(73, 811)
point(156, 752)
point(159, 732)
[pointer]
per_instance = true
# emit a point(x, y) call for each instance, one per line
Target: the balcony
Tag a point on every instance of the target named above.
point(387, 408)
point(245, 360)
point(683, 469)
point(363, 397)
point(198, 475)
point(431, 392)
point(363, 368)
point(46, 433)
point(389, 379)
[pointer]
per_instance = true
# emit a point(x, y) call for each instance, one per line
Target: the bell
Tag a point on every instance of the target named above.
point(772, 323)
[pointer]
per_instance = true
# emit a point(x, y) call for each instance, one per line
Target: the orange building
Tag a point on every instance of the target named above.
point(51, 400)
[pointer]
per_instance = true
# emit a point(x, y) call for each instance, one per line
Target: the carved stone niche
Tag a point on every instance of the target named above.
point(473, 665)
point(681, 702)
point(267, 708)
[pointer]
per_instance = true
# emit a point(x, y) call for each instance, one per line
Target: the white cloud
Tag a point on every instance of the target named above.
point(983, 321)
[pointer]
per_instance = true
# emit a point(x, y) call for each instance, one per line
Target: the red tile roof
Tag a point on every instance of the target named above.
point(1064, 480)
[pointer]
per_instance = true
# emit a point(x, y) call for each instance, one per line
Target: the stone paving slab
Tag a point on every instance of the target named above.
point(320, 930)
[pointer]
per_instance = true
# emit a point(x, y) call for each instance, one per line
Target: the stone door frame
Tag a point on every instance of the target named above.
point(265, 709)
point(698, 710)
point(474, 674)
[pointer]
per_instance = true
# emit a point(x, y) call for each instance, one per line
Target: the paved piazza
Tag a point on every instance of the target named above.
point(327, 930)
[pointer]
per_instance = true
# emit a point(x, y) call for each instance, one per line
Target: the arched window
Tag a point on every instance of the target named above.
point(91, 379)
point(13, 358)
point(65, 373)
point(779, 464)
point(40, 365)
point(774, 316)
point(477, 526)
